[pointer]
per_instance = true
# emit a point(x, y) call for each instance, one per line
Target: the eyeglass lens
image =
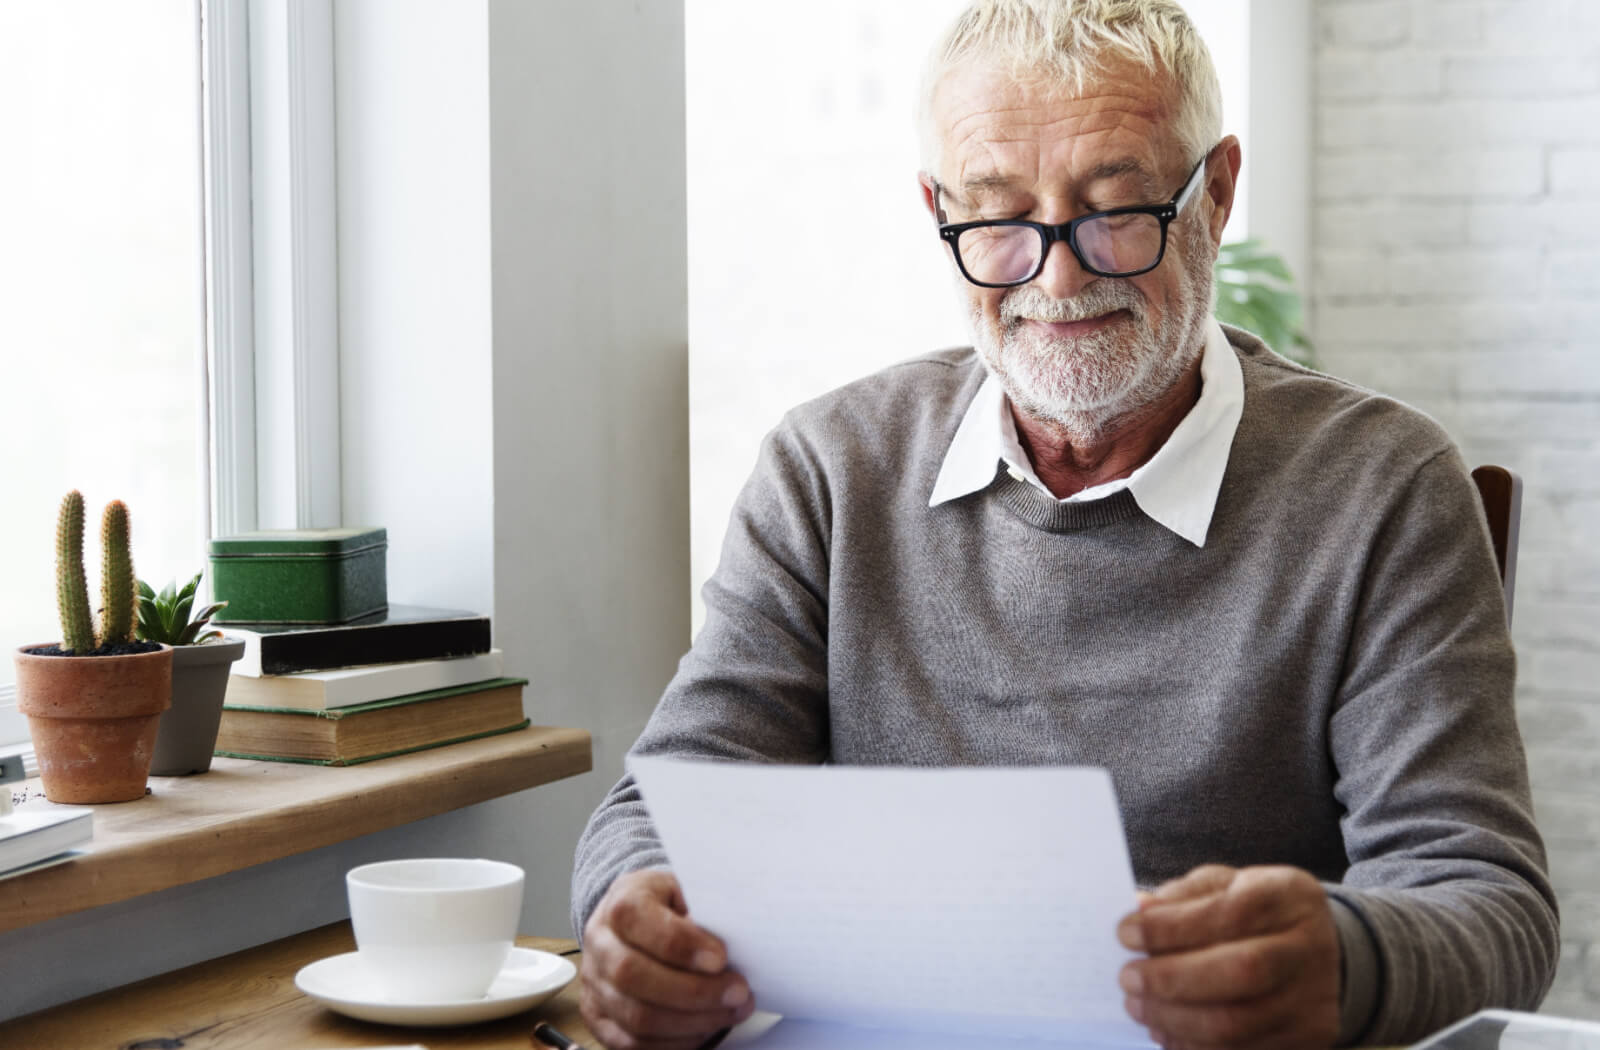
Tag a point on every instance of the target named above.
point(1109, 244)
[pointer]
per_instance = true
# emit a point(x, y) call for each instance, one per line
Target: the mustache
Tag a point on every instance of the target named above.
point(1028, 302)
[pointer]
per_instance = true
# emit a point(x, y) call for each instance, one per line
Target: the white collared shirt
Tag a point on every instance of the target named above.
point(1177, 486)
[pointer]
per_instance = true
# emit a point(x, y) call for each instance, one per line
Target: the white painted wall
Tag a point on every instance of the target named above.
point(1277, 157)
point(515, 412)
point(1225, 26)
point(1458, 267)
point(591, 409)
point(415, 325)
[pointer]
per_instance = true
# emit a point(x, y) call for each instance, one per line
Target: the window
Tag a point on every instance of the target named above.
point(803, 112)
point(168, 338)
point(102, 387)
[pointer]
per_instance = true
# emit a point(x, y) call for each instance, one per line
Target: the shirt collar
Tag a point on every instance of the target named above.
point(1176, 487)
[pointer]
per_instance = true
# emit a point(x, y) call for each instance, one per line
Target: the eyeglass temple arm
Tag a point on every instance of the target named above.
point(1193, 184)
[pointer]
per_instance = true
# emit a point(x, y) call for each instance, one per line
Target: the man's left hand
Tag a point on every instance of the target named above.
point(1239, 957)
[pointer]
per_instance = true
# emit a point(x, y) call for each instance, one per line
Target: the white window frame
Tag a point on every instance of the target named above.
point(227, 265)
point(295, 469)
point(272, 321)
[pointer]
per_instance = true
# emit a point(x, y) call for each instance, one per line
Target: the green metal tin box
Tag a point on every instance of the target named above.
point(300, 575)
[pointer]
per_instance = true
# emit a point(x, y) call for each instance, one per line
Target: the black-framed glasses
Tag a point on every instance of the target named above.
point(1122, 242)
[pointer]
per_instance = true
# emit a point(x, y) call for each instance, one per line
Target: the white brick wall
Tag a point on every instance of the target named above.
point(1457, 265)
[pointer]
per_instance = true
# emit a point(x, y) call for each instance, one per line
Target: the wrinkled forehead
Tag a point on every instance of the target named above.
point(993, 125)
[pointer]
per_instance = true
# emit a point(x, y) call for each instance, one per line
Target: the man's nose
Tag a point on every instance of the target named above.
point(1063, 277)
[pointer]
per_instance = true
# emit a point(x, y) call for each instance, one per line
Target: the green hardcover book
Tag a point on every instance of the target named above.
point(347, 735)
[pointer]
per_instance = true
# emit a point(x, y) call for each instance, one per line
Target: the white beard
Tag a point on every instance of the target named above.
point(1084, 385)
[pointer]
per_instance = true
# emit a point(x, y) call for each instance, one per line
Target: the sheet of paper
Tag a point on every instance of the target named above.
point(953, 900)
point(799, 1034)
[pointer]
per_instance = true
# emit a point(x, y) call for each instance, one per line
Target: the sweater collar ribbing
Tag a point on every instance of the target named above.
point(1045, 512)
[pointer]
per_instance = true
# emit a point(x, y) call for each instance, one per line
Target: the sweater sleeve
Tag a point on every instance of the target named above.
point(1447, 871)
point(754, 686)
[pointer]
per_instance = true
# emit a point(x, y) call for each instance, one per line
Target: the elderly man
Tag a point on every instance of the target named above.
point(1116, 534)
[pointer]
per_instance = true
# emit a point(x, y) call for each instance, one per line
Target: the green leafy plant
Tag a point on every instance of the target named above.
point(1256, 291)
point(116, 579)
point(164, 617)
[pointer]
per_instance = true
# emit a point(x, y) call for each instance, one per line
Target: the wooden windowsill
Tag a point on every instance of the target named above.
point(244, 813)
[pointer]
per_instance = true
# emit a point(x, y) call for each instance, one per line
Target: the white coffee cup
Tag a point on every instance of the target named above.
point(434, 929)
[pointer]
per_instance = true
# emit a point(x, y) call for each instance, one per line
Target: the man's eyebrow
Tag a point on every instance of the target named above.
point(1122, 168)
point(991, 184)
point(978, 184)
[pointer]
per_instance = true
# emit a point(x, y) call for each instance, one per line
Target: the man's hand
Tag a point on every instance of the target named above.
point(652, 979)
point(1238, 958)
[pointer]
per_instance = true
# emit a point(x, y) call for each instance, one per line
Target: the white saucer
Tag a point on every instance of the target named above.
point(342, 984)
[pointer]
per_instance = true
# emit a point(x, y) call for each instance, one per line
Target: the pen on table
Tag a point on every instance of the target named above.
point(550, 1037)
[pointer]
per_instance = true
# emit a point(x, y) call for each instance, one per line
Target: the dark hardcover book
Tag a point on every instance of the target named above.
point(404, 632)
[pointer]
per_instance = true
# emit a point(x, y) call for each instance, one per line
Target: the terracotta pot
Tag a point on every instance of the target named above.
point(94, 720)
point(188, 731)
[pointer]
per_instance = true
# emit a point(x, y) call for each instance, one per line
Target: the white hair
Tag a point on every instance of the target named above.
point(1067, 42)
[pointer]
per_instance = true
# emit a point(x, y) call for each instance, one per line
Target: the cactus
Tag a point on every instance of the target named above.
point(72, 591)
point(119, 593)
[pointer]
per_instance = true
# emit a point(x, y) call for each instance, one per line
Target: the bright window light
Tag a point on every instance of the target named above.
point(100, 377)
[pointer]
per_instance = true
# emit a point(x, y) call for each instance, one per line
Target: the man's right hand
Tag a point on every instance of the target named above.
point(652, 979)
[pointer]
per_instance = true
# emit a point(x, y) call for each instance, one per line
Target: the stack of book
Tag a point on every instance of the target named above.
point(338, 694)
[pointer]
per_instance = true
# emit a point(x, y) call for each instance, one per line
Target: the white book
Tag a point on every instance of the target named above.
point(39, 831)
point(320, 690)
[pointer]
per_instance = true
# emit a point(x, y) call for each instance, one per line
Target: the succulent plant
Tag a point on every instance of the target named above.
point(164, 617)
point(117, 593)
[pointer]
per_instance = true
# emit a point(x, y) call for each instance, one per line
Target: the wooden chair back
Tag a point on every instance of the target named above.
point(1501, 492)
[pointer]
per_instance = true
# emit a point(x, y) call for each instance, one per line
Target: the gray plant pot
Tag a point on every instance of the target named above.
point(188, 731)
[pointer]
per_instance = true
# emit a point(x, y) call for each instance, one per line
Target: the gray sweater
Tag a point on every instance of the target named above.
point(1326, 683)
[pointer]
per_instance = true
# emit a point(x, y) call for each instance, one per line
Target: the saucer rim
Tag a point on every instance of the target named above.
point(558, 978)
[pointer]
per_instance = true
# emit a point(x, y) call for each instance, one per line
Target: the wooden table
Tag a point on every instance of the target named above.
point(248, 1001)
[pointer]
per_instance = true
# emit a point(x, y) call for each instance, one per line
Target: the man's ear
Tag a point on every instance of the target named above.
point(1222, 184)
point(929, 195)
